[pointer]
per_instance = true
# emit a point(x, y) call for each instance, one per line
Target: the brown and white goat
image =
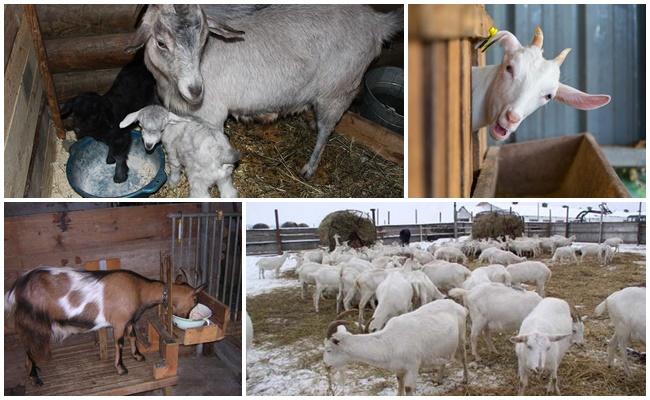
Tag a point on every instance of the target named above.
point(56, 302)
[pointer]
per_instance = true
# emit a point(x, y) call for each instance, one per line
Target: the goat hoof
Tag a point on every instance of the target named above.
point(306, 173)
point(110, 160)
point(121, 370)
point(119, 177)
point(138, 357)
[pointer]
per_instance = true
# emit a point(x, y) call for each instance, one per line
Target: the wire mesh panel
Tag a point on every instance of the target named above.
point(206, 248)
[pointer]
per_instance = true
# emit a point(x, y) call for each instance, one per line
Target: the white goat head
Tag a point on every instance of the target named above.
point(175, 36)
point(536, 347)
point(153, 120)
point(524, 82)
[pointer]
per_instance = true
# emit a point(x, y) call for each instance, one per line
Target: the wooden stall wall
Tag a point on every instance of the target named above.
point(135, 235)
point(24, 103)
point(444, 153)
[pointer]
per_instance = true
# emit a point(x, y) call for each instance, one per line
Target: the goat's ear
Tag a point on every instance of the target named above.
point(223, 30)
point(580, 100)
point(200, 288)
point(67, 107)
point(557, 338)
point(508, 41)
point(179, 279)
point(139, 39)
point(129, 119)
point(518, 339)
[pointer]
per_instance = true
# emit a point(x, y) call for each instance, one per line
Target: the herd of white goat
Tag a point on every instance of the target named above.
point(416, 325)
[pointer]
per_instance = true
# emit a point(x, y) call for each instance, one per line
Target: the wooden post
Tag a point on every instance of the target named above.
point(168, 270)
point(278, 237)
point(600, 228)
point(639, 230)
point(41, 55)
point(455, 223)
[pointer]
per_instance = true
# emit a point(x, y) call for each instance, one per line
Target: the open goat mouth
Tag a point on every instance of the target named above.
point(499, 132)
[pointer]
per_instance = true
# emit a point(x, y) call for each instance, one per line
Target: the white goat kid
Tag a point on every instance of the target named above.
point(203, 149)
point(430, 336)
point(504, 95)
point(271, 264)
point(494, 307)
point(544, 337)
point(627, 311)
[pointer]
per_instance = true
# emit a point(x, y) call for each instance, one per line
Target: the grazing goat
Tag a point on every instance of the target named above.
point(494, 307)
point(326, 50)
point(428, 337)
point(99, 116)
point(494, 255)
point(394, 297)
point(593, 249)
point(504, 95)
point(564, 253)
point(446, 275)
point(627, 311)
point(306, 275)
point(561, 241)
point(404, 237)
point(614, 242)
point(530, 272)
point(202, 149)
point(327, 279)
point(270, 264)
point(544, 337)
point(450, 254)
point(50, 302)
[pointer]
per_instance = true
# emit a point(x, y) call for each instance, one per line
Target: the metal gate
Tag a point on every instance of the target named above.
point(206, 247)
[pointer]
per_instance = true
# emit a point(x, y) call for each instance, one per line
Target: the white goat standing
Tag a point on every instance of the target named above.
point(614, 242)
point(446, 275)
point(394, 296)
point(271, 263)
point(327, 279)
point(544, 337)
point(503, 95)
point(450, 254)
point(203, 149)
point(428, 337)
point(530, 272)
point(627, 311)
point(564, 253)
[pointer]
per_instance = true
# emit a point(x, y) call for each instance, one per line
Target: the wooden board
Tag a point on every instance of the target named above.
point(23, 100)
point(382, 141)
point(77, 370)
point(71, 84)
point(566, 166)
point(211, 333)
point(448, 21)
point(13, 17)
point(78, 20)
point(419, 163)
point(88, 53)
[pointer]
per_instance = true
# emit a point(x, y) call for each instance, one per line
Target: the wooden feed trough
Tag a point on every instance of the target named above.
point(567, 166)
point(56, 52)
point(444, 154)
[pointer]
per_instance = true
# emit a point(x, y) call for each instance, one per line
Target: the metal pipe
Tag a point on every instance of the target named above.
point(233, 263)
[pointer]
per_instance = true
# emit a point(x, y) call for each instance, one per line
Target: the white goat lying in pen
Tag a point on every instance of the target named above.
point(627, 311)
point(494, 307)
point(504, 95)
point(544, 337)
point(428, 337)
point(203, 149)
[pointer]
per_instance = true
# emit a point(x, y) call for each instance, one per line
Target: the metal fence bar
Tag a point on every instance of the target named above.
point(234, 257)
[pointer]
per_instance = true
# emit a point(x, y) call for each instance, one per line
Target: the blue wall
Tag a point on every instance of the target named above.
point(608, 57)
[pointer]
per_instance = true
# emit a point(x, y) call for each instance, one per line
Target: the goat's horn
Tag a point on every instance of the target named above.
point(575, 316)
point(346, 313)
point(333, 326)
point(560, 57)
point(538, 38)
point(185, 275)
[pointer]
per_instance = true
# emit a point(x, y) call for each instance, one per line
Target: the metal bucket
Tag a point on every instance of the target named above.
point(383, 97)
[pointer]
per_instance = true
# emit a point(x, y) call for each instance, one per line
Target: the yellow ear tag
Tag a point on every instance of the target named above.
point(484, 44)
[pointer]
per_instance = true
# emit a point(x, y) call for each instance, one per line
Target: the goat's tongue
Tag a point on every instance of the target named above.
point(499, 130)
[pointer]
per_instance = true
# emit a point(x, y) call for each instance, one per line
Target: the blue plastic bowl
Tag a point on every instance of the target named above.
point(90, 176)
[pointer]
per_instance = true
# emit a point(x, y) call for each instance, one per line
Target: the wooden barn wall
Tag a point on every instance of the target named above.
point(135, 235)
point(24, 101)
point(608, 56)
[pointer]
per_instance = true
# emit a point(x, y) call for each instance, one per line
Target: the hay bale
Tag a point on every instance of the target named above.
point(495, 224)
point(289, 224)
point(353, 226)
point(260, 225)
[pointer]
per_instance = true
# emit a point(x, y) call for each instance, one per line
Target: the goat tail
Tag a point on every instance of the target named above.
point(601, 308)
point(391, 23)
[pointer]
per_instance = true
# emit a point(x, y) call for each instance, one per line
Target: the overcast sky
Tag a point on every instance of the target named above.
point(403, 212)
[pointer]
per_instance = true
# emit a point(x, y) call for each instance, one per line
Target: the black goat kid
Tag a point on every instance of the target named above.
point(99, 116)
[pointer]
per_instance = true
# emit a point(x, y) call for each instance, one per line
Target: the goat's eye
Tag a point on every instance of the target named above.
point(335, 341)
point(548, 97)
point(509, 69)
point(161, 44)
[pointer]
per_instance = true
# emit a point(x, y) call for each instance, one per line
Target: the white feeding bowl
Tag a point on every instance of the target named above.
point(198, 317)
